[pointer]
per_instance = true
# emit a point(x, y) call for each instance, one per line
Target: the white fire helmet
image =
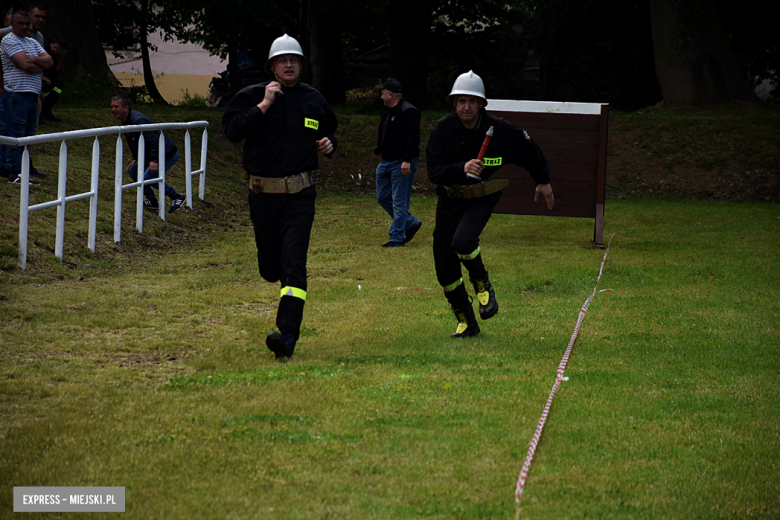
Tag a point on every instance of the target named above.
point(284, 45)
point(468, 84)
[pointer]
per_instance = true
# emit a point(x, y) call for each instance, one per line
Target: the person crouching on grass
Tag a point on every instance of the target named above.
point(120, 108)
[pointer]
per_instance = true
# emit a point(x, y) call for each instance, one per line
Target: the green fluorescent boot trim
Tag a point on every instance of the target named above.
point(488, 306)
point(467, 323)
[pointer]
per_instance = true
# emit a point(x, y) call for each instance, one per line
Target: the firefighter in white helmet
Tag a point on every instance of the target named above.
point(284, 124)
point(467, 193)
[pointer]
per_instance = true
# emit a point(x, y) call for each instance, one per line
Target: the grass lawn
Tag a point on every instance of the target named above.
point(149, 371)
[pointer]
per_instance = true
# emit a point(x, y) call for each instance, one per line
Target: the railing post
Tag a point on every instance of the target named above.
point(93, 200)
point(59, 244)
point(139, 176)
point(118, 190)
point(188, 167)
point(24, 212)
point(161, 173)
point(203, 152)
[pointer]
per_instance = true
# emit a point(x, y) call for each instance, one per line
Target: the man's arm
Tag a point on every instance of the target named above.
point(151, 145)
point(44, 61)
point(243, 115)
point(526, 153)
point(151, 138)
point(32, 64)
point(545, 190)
point(326, 133)
point(439, 170)
point(60, 65)
point(412, 146)
point(412, 131)
point(378, 149)
point(55, 70)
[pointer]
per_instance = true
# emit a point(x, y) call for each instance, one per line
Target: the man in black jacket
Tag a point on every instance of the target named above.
point(120, 108)
point(399, 146)
point(284, 123)
point(467, 196)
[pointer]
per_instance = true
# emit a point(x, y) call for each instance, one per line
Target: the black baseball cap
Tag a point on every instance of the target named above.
point(393, 85)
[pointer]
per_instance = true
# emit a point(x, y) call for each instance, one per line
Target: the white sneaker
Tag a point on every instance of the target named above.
point(18, 181)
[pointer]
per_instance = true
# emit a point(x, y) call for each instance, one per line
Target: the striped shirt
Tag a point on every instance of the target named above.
point(15, 79)
point(35, 35)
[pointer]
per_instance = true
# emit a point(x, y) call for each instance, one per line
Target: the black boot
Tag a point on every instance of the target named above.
point(282, 345)
point(288, 319)
point(461, 305)
point(467, 322)
point(488, 306)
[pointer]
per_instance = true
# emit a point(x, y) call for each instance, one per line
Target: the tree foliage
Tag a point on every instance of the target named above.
point(322, 44)
point(753, 38)
point(245, 26)
point(593, 51)
point(74, 21)
point(409, 47)
point(483, 37)
point(563, 50)
point(249, 25)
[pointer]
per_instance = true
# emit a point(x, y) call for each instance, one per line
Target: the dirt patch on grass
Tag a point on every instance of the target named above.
point(147, 360)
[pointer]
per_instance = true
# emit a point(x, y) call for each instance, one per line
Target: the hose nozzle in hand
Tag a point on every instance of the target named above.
point(482, 151)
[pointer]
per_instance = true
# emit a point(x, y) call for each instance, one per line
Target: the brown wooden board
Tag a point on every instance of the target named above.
point(575, 148)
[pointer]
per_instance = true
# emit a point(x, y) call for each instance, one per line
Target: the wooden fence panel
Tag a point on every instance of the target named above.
point(573, 137)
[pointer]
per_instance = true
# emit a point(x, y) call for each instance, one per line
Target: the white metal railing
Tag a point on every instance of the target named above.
point(25, 209)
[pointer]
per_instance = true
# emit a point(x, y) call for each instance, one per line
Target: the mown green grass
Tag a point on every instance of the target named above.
point(150, 372)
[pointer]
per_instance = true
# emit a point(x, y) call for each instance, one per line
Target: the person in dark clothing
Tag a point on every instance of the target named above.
point(284, 124)
point(399, 146)
point(120, 108)
point(467, 195)
point(52, 83)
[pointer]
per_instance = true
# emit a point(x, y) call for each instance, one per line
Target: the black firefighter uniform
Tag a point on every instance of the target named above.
point(279, 152)
point(464, 205)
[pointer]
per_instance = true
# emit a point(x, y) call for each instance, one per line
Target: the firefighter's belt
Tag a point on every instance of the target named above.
point(473, 191)
point(291, 184)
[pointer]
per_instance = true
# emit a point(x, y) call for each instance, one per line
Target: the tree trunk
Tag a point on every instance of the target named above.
point(303, 36)
point(694, 62)
point(233, 74)
point(73, 21)
point(143, 35)
point(410, 31)
point(325, 60)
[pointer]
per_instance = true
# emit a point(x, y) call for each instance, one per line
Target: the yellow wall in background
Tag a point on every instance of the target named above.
point(170, 85)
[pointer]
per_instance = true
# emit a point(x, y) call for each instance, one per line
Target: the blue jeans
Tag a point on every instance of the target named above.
point(148, 193)
point(393, 192)
point(20, 117)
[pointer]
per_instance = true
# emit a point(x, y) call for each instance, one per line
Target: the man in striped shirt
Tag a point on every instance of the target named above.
point(24, 61)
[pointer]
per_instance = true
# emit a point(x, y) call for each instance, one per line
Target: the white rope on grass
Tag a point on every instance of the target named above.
point(559, 379)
